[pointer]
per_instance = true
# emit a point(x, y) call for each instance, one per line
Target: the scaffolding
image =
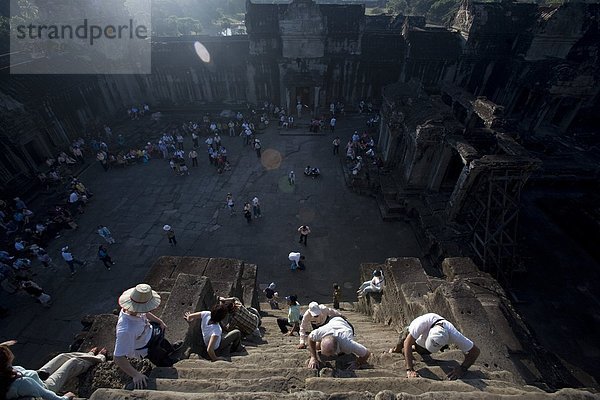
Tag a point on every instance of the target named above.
point(493, 218)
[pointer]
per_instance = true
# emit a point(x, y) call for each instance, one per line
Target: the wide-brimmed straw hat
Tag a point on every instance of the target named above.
point(139, 299)
point(167, 228)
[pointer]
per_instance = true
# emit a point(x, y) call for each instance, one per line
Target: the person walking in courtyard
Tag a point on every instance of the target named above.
point(105, 234)
point(67, 255)
point(193, 155)
point(256, 207)
point(332, 124)
point(231, 126)
point(229, 203)
point(292, 178)
point(104, 257)
point(304, 231)
point(247, 212)
point(336, 146)
point(170, 235)
point(257, 147)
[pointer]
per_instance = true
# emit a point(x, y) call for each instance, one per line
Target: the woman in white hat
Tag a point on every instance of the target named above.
point(140, 334)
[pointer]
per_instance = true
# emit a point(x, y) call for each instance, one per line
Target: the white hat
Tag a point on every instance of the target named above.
point(167, 228)
point(65, 248)
point(272, 286)
point(436, 339)
point(139, 299)
point(314, 309)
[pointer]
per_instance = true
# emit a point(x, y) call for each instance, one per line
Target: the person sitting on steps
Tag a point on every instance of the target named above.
point(18, 382)
point(217, 345)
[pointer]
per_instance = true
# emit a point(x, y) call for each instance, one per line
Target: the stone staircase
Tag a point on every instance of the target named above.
point(273, 367)
point(276, 369)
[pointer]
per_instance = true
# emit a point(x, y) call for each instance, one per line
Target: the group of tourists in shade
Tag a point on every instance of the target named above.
point(25, 234)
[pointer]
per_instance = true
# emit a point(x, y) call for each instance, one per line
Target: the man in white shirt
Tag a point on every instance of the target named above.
point(297, 260)
point(137, 337)
point(428, 334)
point(335, 338)
point(317, 315)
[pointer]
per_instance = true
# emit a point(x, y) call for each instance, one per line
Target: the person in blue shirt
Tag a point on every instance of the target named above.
point(17, 382)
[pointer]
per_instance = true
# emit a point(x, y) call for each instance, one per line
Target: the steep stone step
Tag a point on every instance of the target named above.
point(118, 394)
point(201, 372)
point(245, 362)
point(416, 385)
point(277, 384)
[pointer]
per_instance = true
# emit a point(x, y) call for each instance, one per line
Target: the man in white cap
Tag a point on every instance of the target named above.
point(170, 232)
point(428, 334)
point(335, 338)
point(140, 334)
point(317, 315)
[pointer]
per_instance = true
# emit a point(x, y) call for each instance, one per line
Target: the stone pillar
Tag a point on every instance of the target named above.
point(439, 170)
point(426, 144)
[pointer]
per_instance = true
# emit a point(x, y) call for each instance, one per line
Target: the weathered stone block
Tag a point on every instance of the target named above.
point(101, 334)
point(225, 269)
point(223, 288)
point(191, 266)
point(406, 269)
point(190, 293)
point(162, 268)
point(248, 283)
point(458, 267)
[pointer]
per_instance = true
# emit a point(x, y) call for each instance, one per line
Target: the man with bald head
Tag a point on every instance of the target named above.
point(333, 339)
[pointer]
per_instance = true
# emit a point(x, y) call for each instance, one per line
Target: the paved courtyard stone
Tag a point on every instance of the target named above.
point(135, 203)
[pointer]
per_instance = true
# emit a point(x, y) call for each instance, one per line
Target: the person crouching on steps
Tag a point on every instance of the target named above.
point(217, 345)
